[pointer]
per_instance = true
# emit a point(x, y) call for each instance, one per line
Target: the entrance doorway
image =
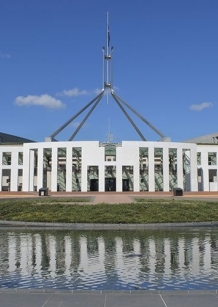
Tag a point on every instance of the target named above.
point(125, 185)
point(213, 185)
point(94, 185)
point(110, 184)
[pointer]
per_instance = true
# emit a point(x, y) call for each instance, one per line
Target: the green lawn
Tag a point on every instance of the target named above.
point(68, 210)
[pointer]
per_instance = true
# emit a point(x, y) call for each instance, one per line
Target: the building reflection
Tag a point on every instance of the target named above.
point(81, 257)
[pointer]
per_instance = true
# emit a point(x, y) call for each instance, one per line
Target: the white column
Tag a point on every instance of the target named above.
point(26, 162)
point(54, 169)
point(151, 169)
point(119, 176)
point(69, 169)
point(84, 177)
point(0, 171)
point(194, 170)
point(166, 169)
point(179, 168)
point(31, 170)
point(40, 169)
point(101, 180)
point(136, 187)
point(205, 175)
point(14, 171)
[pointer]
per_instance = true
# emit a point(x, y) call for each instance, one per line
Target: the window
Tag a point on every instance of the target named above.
point(212, 158)
point(198, 158)
point(6, 158)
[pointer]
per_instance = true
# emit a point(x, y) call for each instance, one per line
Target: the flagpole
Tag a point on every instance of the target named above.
point(107, 48)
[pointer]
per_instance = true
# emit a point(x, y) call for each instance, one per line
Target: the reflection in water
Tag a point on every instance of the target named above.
point(151, 259)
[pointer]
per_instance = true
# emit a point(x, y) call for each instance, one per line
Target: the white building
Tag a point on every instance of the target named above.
point(93, 166)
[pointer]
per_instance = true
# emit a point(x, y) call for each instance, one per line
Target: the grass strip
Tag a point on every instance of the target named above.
point(146, 211)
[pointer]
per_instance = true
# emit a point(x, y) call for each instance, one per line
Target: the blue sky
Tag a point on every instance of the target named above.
point(165, 65)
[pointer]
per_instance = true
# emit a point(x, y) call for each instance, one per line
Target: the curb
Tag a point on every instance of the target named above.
point(87, 226)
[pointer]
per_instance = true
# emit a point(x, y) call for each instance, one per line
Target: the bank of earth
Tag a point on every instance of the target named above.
point(78, 210)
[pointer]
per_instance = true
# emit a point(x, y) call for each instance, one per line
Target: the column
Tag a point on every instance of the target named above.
point(194, 170)
point(69, 169)
point(166, 169)
point(136, 187)
point(101, 178)
point(54, 169)
point(14, 171)
point(31, 171)
point(205, 175)
point(119, 183)
point(40, 169)
point(83, 177)
point(0, 171)
point(26, 162)
point(151, 169)
point(179, 168)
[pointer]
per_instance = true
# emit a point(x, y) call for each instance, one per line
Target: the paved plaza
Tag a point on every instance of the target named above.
point(27, 298)
point(115, 197)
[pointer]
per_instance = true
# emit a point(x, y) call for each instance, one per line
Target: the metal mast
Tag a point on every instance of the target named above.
point(107, 60)
point(108, 88)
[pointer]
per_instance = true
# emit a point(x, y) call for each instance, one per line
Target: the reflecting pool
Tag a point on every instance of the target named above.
point(116, 260)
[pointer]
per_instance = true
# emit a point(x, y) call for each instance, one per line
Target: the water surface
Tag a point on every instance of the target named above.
point(110, 260)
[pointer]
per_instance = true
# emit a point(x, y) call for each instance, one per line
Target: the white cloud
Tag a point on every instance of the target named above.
point(4, 55)
point(201, 106)
point(45, 100)
point(74, 92)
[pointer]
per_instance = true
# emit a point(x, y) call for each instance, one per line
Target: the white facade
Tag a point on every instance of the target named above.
point(89, 165)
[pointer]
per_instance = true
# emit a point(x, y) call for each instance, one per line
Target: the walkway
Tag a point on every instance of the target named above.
point(116, 197)
point(27, 298)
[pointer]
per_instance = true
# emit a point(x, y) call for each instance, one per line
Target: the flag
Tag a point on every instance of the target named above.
point(108, 36)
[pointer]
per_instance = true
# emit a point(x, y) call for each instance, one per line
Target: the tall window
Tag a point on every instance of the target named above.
point(172, 168)
point(6, 158)
point(158, 169)
point(212, 160)
point(198, 158)
point(110, 152)
point(143, 169)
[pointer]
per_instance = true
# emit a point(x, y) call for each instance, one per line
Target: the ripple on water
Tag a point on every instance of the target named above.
point(130, 260)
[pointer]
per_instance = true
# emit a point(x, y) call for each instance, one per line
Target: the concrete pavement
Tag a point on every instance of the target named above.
point(115, 197)
point(40, 298)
